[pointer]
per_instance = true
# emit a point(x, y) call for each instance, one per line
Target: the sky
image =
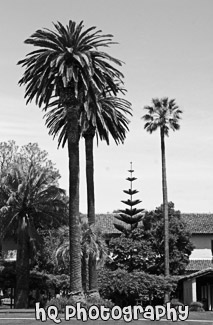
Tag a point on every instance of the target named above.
point(167, 47)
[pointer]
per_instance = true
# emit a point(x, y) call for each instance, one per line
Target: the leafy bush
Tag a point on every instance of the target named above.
point(176, 303)
point(99, 302)
point(196, 306)
point(125, 288)
point(62, 302)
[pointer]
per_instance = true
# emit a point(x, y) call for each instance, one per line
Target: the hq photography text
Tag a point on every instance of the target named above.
point(127, 313)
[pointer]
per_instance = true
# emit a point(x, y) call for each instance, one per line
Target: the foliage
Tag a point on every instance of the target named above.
point(143, 248)
point(44, 260)
point(196, 306)
point(43, 280)
point(92, 242)
point(109, 120)
point(131, 253)
point(54, 257)
point(29, 186)
point(124, 288)
point(9, 156)
point(180, 244)
point(30, 199)
point(26, 155)
point(131, 216)
point(30, 194)
point(68, 57)
point(163, 114)
point(176, 303)
point(30, 161)
point(60, 303)
point(63, 301)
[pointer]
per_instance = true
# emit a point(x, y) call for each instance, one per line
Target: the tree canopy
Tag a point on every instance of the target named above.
point(143, 248)
point(29, 181)
point(29, 199)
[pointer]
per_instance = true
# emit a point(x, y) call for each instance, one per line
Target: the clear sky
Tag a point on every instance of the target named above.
point(167, 47)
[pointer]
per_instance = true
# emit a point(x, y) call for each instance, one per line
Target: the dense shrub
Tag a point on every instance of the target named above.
point(99, 302)
point(196, 306)
point(176, 303)
point(125, 288)
point(62, 302)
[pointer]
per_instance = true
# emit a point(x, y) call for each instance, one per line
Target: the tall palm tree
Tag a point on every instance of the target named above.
point(30, 202)
point(107, 118)
point(164, 114)
point(69, 66)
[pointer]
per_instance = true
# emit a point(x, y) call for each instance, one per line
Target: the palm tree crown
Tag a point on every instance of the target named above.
point(29, 194)
point(164, 114)
point(109, 119)
point(68, 57)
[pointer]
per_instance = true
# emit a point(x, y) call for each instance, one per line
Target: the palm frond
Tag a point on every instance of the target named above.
point(67, 56)
point(164, 114)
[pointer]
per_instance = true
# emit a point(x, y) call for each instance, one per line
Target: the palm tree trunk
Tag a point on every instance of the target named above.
point(84, 270)
point(165, 211)
point(73, 134)
point(1, 249)
point(93, 278)
point(22, 266)
point(89, 136)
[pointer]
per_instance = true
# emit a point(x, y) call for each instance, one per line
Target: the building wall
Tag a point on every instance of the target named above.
point(203, 244)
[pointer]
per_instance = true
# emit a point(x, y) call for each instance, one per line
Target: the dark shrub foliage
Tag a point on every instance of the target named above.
point(125, 288)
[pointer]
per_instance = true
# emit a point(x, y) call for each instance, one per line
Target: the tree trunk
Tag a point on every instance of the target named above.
point(73, 134)
point(165, 212)
point(89, 136)
point(84, 270)
point(22, 266)
point(1, 257)
point(93, 278)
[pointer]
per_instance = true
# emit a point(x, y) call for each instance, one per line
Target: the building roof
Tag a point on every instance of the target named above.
point(196, 223)
point(197, 265)
point(199, 223)
point(197, 274)
point(106, 223)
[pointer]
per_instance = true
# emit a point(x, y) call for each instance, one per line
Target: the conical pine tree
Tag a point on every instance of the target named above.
point(131, 215)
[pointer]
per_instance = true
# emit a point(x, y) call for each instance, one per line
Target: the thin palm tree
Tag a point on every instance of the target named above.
point(107, 118)
point(164, 114)
point(30, 202)
point(111, 120)
point(70, 67)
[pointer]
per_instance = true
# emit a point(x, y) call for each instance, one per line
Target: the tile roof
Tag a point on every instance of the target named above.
point(199, 223)
point(196, 223)
point(106, 223)
point(197, 274)
point(197, 265)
